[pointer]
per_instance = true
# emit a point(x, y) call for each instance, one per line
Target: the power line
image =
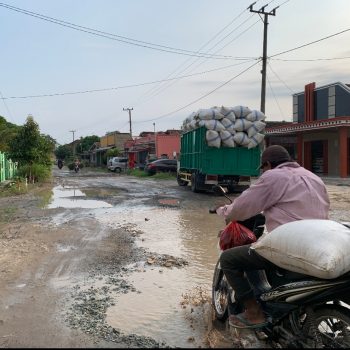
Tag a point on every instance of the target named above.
point(7, 108)
point(311, 59)
point(269, 64)
point(203, 96)
point(159, 90)
point(274, 96)
point(115, 37)
point(123, 86)
point(311, 43)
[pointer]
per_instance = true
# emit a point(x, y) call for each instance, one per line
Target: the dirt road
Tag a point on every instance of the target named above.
point(65, 259)
point(99, 260)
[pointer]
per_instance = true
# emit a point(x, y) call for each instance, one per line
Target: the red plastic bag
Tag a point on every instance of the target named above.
point(235, 235)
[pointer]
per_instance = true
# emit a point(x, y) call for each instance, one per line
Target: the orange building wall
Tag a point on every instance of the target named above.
point(167, 144)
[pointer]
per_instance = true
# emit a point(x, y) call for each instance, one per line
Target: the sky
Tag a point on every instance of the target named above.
point(76, 66)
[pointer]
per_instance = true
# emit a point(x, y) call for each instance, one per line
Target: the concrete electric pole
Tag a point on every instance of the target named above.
point(73, 131)
point(264, 57)
point(155, 139)
point(129, 110)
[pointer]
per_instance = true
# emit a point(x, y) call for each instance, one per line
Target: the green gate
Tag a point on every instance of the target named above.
point(8, 168)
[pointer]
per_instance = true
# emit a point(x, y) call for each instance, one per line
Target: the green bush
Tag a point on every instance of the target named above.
point(34, 172)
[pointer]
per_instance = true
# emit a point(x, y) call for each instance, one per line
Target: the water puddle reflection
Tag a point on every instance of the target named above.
point(65, 197)
point(158, 311)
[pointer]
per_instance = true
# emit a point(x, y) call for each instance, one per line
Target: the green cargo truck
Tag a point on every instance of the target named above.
point(203, 166)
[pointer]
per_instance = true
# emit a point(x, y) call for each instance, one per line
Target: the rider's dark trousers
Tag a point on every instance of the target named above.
point(235, 261)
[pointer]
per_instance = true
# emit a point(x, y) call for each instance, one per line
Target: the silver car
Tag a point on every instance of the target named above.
point(117, 164)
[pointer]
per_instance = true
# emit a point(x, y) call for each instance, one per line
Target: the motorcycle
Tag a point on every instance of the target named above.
point(76, 168)
point(302, 311)
point(60, 164)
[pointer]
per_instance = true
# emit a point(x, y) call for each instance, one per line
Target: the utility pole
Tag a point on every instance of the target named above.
point(73, 131)
point(264, 57)
point(155, 139)
point(129, 110)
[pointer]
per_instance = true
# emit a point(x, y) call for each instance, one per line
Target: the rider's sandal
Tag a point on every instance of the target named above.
point(238, 321)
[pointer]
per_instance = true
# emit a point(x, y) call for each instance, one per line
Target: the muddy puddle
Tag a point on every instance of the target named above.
point(168, 303)
point(160, 310)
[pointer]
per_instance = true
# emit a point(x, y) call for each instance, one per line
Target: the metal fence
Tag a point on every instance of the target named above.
point(8, 168)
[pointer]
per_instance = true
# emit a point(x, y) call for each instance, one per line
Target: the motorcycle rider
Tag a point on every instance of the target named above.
point(284, 192)
point(60, 163)
point(76, 165)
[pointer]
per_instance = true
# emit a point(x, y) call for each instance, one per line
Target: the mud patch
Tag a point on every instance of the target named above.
point(169, 202)
point(102, 193)
point(165, 260)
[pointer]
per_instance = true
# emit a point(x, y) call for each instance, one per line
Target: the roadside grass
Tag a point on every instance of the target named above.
point(157, 176)
point(7, 214)
point(137, 173)
point(13, 187)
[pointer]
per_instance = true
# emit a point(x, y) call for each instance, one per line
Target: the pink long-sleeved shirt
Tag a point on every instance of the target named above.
point(286, 193)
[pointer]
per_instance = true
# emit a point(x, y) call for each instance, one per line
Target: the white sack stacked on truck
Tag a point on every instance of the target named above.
point(213, 138)
point(207, 114)
point(246, 126)
point(255, 128)
point(241, 111)
point(228, 113)
point(213, 124)
point(254, 116)
point(227, 138)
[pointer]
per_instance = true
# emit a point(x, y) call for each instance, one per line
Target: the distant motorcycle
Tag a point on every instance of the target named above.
point(303, 311)
point(76, 168)
point(60, 164)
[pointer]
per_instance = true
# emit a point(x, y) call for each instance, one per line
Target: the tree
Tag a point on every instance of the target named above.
point(113, 152)
point(88, 141)
point(63, 152)
point(7, 132)
point(29, 146)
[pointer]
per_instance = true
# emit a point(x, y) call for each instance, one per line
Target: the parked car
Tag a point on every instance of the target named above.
point(161, 165)
point(117, 164)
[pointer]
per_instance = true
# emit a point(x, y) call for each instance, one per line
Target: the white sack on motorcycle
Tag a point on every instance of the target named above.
point(318, 248)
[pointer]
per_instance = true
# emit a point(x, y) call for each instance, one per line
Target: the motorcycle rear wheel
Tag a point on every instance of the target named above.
point(332, 324)
point(220, 294)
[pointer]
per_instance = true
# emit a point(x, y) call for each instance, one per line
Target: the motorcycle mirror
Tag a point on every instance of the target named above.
point(220, 191)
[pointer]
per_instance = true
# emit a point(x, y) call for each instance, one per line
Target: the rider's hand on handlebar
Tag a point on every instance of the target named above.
point(216, 206)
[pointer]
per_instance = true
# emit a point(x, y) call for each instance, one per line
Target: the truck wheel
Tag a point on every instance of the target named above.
point(231, 189)
point(181, 182)
point(194, 183)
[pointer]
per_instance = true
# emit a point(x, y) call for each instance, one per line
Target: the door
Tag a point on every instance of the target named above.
point(319, 157)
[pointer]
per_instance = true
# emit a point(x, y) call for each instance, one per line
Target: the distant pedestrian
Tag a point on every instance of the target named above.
point(131, 163)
